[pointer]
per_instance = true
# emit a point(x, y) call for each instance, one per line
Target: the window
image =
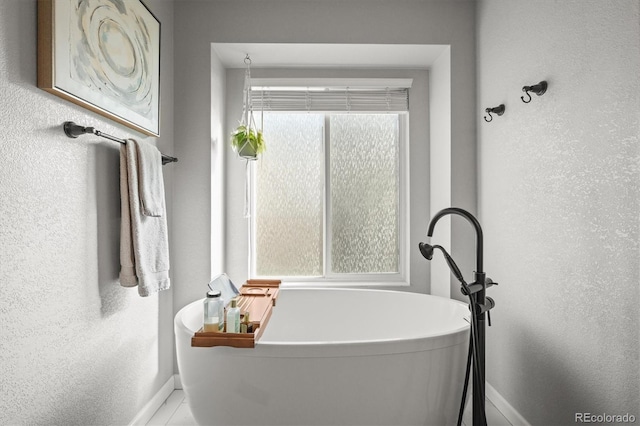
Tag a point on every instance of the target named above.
point(329, 195)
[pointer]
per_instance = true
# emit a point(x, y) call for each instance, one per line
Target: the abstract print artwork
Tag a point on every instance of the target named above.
point(103, 55)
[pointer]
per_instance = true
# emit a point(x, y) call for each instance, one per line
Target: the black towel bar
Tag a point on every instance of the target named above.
point(74, 130)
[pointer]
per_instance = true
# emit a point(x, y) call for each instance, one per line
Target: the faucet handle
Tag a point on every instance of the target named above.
point(476, 286)
point(489, 304)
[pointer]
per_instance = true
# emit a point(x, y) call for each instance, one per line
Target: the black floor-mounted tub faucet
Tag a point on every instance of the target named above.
point(479, 304)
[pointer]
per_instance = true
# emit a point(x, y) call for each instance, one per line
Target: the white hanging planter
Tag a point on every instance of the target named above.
point(247, 139)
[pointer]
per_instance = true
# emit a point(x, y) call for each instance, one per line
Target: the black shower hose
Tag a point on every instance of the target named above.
point(472, 357)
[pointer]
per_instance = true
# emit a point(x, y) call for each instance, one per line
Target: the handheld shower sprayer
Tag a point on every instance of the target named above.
point(427, 252)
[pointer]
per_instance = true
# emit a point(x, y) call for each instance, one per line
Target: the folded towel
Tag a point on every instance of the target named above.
point(150, 182)
point(144, 246)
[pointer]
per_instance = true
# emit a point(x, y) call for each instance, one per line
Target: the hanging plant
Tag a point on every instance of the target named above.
point(247, 140)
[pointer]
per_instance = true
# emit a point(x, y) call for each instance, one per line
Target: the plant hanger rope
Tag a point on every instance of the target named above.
point(247, 139)
point(247, 108)
point(247, 117)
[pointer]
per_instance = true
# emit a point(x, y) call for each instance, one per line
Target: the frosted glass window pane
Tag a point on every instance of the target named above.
point(364, 162)
point(289, 196)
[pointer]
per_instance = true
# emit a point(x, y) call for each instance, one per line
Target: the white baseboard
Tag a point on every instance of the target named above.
point(505, 408)
point(147, 412)
point(177, 382)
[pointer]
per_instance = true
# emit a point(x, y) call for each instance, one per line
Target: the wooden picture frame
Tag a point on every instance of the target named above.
point(103, 55)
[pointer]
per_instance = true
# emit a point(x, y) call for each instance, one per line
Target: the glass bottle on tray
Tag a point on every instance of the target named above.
point(213, 312)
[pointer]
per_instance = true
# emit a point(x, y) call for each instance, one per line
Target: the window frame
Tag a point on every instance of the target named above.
point(381, 279)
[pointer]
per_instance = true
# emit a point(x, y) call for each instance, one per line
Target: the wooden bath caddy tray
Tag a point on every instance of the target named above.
point(258, 297)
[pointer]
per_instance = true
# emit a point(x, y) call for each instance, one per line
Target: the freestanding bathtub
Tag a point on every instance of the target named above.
point(333, 356)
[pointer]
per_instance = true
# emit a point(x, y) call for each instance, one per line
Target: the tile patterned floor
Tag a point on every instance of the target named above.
point(175, 412)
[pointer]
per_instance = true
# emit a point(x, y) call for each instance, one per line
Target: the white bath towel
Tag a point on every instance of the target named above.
point(144, 246)
point(150, 182)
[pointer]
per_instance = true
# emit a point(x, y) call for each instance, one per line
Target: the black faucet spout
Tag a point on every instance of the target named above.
point(474, 222)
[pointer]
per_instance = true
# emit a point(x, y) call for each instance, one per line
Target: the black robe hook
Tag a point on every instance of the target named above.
point(495, 110)
point(538, 89)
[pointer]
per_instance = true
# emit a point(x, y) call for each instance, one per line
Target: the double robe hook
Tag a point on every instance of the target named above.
point(538, 89)
point(499, 110)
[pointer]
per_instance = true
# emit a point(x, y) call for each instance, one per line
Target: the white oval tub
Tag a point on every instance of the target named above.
point(333, 357)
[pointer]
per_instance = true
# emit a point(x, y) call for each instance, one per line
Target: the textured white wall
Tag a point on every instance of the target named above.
point(560, 204)
point(201, 23)
point(76, 348)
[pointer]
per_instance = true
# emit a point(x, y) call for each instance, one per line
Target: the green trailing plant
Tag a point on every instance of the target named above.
point(247, 141)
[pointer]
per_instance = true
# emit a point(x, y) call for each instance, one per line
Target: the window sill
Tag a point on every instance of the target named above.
point(348, 284)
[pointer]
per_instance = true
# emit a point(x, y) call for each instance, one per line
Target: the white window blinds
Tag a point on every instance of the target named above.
point(380, 100)
point(334, 98)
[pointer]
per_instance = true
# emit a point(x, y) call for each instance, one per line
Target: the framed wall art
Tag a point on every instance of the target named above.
point(103, 55)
